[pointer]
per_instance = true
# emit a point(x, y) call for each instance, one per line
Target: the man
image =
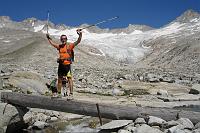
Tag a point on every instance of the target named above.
point(65, 52)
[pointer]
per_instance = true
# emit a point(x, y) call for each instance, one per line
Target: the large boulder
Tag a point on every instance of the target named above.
point(155, 121)
point(147, 129)
point(10, 119)
point(186, 123)
point(28, 82)
point(195, 89)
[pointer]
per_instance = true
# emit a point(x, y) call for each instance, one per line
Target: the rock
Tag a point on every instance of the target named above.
point(197, 125)
point(186, 123)
point(117, 92)
point(11, 120)
point(123, 131)
point(168, 80)
point(172, 123)
point(56, 113)
point(196, 130)
point(28, 82)
point(130, 127)
point(116, 124)
point(147, 129)
point(187, 131)
point(2, 130)
point(42, 117)
point(162, 92)
point(179, 131)
point(174, 128)
point(10, 111)
point(40, 124)
point(152, 78)
point(155, 121)
point(53, 119)
point(140, 121)
point(28, 117)
point(5, 70)
point(128, 76)
point(195, 89)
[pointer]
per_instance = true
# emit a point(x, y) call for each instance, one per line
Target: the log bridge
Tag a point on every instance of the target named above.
point(90, 108)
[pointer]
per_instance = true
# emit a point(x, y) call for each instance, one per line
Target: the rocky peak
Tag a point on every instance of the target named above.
point(187, 16)
point(5, 19)
point(131, 28)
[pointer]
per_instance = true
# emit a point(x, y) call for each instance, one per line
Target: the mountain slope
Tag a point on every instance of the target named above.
point(174, 46)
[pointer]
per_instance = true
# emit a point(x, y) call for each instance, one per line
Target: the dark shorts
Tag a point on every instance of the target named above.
point(63, 70)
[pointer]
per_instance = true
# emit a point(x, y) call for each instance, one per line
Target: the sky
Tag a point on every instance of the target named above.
point(154, 13)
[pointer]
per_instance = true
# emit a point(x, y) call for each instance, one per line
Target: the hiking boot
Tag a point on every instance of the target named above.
point(57, 95)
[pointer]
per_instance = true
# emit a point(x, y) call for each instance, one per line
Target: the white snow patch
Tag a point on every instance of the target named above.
point(122, 46)
point(38, 28)
point(194, 20)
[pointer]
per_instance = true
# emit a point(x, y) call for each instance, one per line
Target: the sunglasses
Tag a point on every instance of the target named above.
point(63, 38)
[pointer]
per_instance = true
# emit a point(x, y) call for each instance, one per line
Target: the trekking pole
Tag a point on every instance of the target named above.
point(47, 22)
point(104, 21)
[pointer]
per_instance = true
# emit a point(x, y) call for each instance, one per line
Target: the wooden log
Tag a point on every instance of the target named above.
point(89, 108)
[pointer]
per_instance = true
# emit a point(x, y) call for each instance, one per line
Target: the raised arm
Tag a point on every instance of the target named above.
point(79, 38)
point(51, 42)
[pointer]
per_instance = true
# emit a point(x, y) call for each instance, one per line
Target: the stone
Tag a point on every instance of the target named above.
point(130, 127)
point(162, 92)
point(197, 125)
point(40, 124)
point(152, 78)
point(147, 129)
point(196, 130)
point(172, 123)
point(140, 121)
point(10, 111)
point(186, 123)
point(53, 119)
point(2, 130)
point(116, 124)
point(123, 131)
point(28, 117)
point(174, 128)
point(195, 89)
point(28, 82)
point(168, 80)
point(155, 121)
point(179, 131)
point(187, 131)
point(42, 117)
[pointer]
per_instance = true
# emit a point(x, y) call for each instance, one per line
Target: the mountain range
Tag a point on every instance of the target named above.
point(173, 47)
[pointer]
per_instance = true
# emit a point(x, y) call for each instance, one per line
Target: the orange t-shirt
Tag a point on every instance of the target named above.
point(65, 53)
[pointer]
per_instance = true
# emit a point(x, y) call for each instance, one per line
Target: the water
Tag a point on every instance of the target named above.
point(83, 127)
point(195, 108)
point(86, 125)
